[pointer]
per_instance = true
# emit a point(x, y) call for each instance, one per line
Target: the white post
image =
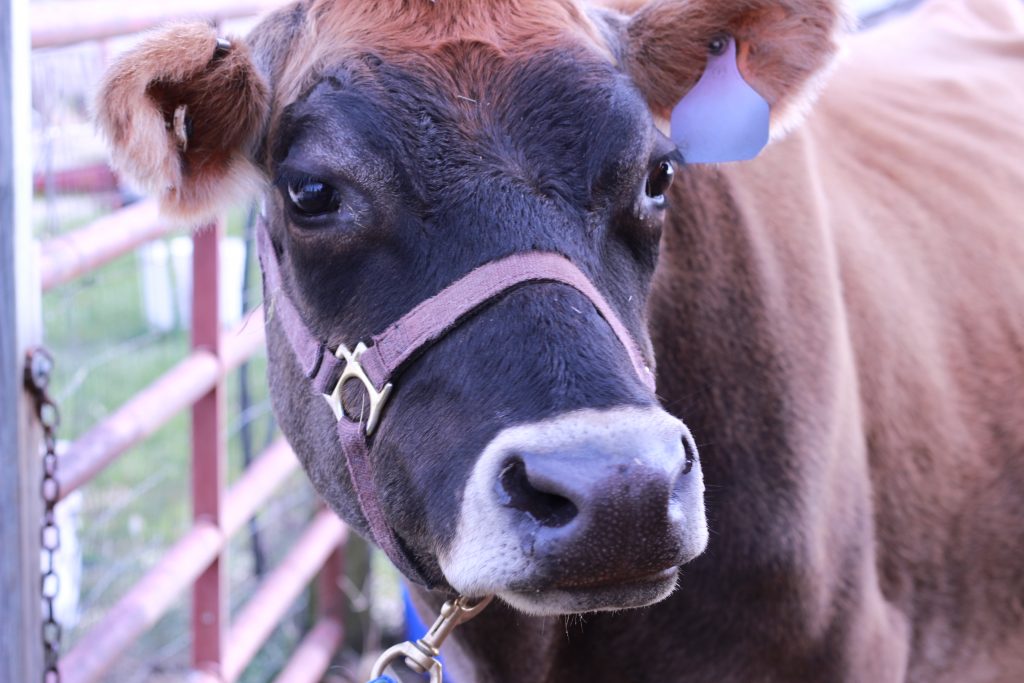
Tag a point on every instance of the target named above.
point(21, 656)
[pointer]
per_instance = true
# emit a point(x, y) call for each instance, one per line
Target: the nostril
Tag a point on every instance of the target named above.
point(550, 509)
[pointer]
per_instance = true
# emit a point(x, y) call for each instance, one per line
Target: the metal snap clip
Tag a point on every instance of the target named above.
point(421, 656)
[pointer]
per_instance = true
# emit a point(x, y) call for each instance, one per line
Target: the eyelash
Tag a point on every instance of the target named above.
point(675, 156)
point(286, 178)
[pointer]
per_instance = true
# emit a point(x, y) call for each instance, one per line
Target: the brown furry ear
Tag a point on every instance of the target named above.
point(182, 112)
point(782, 45)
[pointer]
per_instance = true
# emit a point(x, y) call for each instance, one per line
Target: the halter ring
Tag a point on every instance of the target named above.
point(353, 370)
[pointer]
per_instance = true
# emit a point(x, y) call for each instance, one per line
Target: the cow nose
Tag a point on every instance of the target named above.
point(587, 503)
point(552, 487)
point(600, 494)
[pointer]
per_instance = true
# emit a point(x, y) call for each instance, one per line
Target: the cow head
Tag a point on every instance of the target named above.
point(403, 144)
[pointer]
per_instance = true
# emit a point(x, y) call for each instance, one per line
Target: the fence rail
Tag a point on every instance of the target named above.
point(165, 582)
point(152, 407)
point(222, 647)
point(58, 23)
point(313, 656)
point(70, 256)
point(279, 590)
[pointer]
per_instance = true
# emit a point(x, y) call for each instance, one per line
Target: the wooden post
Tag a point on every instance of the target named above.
point(21, 654)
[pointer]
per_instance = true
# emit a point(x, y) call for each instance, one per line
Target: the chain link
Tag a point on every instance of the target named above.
point(38, 370)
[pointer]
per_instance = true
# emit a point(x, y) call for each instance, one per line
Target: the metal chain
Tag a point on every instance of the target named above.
point(38, 370)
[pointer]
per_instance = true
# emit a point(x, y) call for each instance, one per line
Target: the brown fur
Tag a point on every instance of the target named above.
point(839, 322)
point(227, 102)
point(410, 29)
point(862, 279)
point(780, 46)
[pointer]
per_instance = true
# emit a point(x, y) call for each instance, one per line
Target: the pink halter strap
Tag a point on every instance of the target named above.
point(375, 363)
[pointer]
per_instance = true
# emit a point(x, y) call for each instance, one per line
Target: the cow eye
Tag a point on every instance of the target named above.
point(313, 197)
point(660, 180)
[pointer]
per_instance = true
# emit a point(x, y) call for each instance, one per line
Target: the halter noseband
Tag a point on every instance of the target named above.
point(374, 364)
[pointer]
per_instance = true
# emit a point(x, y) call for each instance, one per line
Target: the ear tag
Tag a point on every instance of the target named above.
point(722, 118)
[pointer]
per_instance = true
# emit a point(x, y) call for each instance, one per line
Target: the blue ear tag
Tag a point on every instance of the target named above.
point(722, 118)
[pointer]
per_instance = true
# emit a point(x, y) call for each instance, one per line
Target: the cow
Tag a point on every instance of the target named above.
point(838, 324)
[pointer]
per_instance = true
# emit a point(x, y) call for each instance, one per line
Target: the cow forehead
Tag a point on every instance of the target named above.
point(408, 25)
point(531, 85)
point(560, 123)
point(409, 30)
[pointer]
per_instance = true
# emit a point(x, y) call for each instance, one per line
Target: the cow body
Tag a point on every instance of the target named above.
point(841, 321)
point(838, 322)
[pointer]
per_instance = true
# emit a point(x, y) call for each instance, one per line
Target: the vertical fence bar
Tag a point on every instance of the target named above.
point(329, 596)
point(21, 654)
point(209, 450)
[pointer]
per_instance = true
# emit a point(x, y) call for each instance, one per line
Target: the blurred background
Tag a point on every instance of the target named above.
point(119, 328)
point(116, 330)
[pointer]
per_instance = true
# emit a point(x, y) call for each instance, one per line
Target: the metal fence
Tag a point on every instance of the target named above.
point(220, 650)
point(221, 646)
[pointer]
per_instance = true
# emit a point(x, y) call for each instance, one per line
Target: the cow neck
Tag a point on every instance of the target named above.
point(375, 363)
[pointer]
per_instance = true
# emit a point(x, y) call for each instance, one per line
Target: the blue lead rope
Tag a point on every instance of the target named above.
point(384, 679)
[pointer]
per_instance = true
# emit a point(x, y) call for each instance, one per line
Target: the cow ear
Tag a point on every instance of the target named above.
point(183, 112)
point(777, 51)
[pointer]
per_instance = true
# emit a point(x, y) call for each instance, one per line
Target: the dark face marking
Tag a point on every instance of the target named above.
point(437, 166)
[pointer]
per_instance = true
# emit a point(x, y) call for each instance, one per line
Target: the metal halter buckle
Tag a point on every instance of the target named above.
point(353, 370)
point(421, 656)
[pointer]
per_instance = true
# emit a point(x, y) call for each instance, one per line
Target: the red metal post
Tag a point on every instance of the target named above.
point(209, 596)
point(330, 597)
point(318, 647)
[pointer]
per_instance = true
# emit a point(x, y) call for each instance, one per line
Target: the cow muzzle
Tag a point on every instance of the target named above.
point(592, 510)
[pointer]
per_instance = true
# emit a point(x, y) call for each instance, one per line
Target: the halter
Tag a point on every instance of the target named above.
point(376, 363)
